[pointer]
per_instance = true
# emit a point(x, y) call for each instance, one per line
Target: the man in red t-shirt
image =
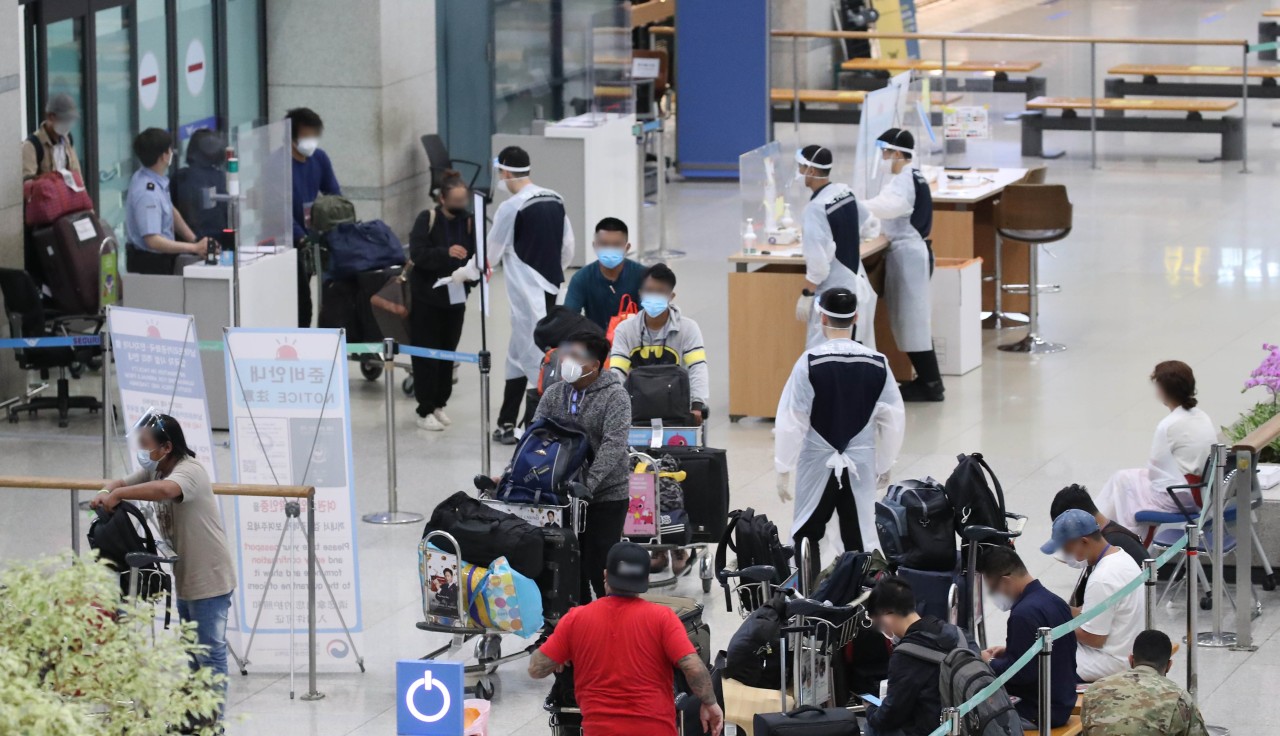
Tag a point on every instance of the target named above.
point(623, 649)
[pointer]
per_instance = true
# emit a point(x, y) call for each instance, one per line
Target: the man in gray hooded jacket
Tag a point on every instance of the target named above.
point(593, 399)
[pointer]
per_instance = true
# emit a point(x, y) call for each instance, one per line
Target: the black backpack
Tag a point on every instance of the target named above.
point(560, 324)
point(659, 392)
point(548, 457)
point(846, 578)
point(915, 524)
point(754, 655)
point(755, 541)
point(971, 496)
point(486, 533)
point(962, 675)
point(113, 534)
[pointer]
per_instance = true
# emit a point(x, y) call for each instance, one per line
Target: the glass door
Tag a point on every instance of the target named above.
point(116, 112)
point(197, 83)
point(64, 62)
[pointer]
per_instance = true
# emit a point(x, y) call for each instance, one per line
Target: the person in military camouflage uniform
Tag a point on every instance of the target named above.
point(1142, 701)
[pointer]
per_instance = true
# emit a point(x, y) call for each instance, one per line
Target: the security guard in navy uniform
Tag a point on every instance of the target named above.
point(150, 221)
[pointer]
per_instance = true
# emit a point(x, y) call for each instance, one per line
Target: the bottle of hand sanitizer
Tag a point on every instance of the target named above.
point(787, 222)
point(749, 238)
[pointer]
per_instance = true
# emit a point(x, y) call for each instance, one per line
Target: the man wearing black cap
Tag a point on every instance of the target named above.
point(839, 427)
point(834, 223)
point(623, 649)
point(532, 238)
point(905, 208)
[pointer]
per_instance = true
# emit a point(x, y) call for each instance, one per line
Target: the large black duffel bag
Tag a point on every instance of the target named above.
point(485, 534)
point(559, 325)
point(706, 488)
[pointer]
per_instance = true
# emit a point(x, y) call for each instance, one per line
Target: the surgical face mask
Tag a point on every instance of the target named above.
point(504, 186)
point(1066, 559)
point(610, 256)
point(1000, 600)
point(571, 370)
point(62, 128)
point(800, 177)
point(144, 459)
point(654, 304)
point(308, 146)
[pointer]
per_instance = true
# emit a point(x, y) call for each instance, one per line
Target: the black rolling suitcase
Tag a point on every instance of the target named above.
point(70, 252)
point(706, 489)
point(807, 720)
point(560, 581)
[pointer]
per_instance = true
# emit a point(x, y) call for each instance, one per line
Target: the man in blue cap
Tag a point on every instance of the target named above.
point(1106, 640)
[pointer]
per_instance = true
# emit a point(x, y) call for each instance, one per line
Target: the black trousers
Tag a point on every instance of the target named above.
point(148, 262)
point(602, 530)
point(515, 391)
point(835, 500)
point(432, 326)
point(304, 296)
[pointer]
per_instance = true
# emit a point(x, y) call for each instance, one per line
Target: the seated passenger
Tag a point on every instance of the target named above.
point(1142, 701)
point(1031, 606)
point(660, 335)
point(205, 155)
point(596, 290)
point(912, 704)
point(1104, 641)
point(1077, 497)
point(1179, 448)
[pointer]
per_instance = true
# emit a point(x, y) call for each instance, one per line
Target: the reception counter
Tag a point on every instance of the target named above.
point(964, 227)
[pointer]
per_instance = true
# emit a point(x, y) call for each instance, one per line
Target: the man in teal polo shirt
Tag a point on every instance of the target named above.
point(597, 289)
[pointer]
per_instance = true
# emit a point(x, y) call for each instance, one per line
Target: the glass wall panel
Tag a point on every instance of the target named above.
point(197, 82)
point(65, 57)
point(117, 112)
point(244, 62)
point(151, 51)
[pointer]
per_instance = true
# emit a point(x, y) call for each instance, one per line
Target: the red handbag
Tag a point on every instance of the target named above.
point(626, 308)
point(47, 197)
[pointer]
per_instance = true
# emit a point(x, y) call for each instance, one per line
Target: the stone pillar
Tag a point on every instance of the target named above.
point(371, 75)
point(817, 55)
point(11, 135)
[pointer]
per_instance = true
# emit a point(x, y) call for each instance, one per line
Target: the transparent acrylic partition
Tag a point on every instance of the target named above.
point(974, 123)
point(772, 199)
point(609, 77)
point(524, 66)
point(266, 187)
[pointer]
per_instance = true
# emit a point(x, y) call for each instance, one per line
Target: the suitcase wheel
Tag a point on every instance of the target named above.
point(371, 367)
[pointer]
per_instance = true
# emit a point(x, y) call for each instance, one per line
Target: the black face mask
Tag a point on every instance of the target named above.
point(456, 211)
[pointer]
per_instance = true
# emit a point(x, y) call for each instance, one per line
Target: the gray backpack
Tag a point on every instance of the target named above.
point(961, 675)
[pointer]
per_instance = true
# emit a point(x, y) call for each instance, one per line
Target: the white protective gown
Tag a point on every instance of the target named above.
point(843, 374)
point(525, 286)
point(818, 245)
point(1179, 448)
point(906, 277)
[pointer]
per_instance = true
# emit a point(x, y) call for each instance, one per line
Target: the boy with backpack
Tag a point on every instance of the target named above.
point(932, 667)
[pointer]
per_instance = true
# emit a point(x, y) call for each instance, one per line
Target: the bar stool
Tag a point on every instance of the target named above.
point(998, 319)
point(1034, 214)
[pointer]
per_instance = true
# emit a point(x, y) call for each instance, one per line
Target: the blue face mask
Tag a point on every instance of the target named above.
point(610, 257)
point(654, 304)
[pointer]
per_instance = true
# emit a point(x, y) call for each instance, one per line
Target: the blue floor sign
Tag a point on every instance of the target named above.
point(428, 698)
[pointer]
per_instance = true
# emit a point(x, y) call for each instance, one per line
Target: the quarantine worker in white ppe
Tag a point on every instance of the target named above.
point(834, 224)
point(904, 207)
point(840, 423)
point(532, 238)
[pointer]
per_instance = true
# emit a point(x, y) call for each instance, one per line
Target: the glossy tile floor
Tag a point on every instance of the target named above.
point(1169, 258)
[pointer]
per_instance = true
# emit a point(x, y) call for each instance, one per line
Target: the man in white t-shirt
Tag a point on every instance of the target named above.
point(1106, 640)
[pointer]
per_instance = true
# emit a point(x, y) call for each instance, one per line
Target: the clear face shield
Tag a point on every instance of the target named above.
point(815, 170)
point(500, 184)
point(883, 161)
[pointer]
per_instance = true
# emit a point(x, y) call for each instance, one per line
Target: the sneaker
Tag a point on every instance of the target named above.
point(442, 417)
point(505, 434)
point(430, 423)
point(918, 390)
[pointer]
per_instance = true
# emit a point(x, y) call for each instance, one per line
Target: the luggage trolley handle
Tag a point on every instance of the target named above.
point(463, 620)
point(784, 632)
point(138, 560)
point(760, 574)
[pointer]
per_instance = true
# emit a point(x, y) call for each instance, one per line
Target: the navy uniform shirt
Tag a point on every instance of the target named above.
point(1038, 607)
point(147, 208)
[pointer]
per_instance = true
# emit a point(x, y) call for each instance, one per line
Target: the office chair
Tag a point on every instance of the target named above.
point(27, 319)
point(439, 161)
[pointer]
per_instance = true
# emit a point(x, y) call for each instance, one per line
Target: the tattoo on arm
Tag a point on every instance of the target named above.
point(699, 679)
point(540, 665)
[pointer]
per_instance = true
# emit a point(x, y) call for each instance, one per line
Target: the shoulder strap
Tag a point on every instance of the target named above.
point(136, 513)
point(722, 552)
point(35, 143)
point(995, 482)
point(431, 219)
point(911, 649)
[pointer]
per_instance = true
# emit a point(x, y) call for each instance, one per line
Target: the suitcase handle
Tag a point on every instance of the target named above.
point(804, 709)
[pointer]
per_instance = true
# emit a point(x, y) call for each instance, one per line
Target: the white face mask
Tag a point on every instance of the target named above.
point(144, 459)
point(62, 128)
point(504, 186)
point(1062, 557)
point(800, 177)
point(571, 370)
point(1000, 600)
point(308, 146)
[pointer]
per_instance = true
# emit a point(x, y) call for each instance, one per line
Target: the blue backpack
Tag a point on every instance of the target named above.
point(357, 247)
point(549, 456)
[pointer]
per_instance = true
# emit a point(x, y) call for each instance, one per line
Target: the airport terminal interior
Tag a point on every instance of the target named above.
point(1169, 256)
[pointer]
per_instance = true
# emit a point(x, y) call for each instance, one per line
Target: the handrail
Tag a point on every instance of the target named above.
point(219, 489)
point(1261, 437)
point(1015, 38)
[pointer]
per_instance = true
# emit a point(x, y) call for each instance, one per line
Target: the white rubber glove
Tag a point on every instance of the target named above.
point(804, 306)
point(784, 487)
point(468, 272)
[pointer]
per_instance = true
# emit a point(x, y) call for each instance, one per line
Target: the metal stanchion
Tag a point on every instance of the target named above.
point(795, 87)
point(486, 359)
point(1244, 109)
point(1149, 576)
point(312, 693)
point(393, 514)
point(945, 91)
point(1193, 604)
point(75, 522)
point(806, 569)
point(1242, 482)
point(951, 717)
point(106, 404)
point(1215, 487)
point(1093, 105)
point(1044, 658)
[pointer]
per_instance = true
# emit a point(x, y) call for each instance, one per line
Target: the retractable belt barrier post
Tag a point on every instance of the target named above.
point(393, 514)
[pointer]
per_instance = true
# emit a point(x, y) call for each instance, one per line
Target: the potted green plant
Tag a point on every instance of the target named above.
point(1266, 375)
point(74, 659)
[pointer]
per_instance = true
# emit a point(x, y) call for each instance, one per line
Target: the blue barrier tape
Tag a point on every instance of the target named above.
point(76, 341)
point(1059, 632)
point(449, 355)
point(1269, 46)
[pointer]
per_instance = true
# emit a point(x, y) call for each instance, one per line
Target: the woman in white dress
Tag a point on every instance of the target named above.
point(1178, 449)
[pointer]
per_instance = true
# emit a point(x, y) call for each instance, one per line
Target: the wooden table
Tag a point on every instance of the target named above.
point(964, 227)
point(764, 336)
point(928, 65)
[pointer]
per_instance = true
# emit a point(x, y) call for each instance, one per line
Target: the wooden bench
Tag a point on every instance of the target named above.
point(1072, 727)
point(875, 73)
point(1265, 78)
point(1269, 32)
point(1112, 116)
point(839, 106)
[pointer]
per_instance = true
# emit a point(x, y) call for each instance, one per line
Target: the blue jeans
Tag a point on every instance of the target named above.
point(210, 617)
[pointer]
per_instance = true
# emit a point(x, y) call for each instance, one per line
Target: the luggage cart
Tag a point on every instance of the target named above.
point(972, 614)
point(662, 540)
point(488, 642)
